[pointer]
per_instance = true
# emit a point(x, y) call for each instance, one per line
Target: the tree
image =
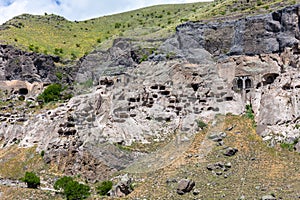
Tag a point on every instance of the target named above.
point(71, 189)
point(104, 187)
point(32, 180)
point(76, 191)
point(61, 183)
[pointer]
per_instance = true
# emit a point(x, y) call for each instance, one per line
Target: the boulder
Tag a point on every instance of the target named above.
point(185, 186)
point(230, 151)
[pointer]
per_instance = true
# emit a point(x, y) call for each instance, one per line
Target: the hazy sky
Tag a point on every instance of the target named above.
point(76, 9)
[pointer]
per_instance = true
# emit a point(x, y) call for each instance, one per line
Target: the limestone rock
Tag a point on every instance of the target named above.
point(185, 186)
point(20, 65)
point(122, 188)
point(217, 137)
point(271, 34)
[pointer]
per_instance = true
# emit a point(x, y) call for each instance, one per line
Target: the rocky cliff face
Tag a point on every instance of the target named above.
point(19, 65)
point(263, 34)
point(258, 58)
point(215, 68)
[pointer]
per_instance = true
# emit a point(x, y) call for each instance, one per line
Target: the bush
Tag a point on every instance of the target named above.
point(71, 189)
point(51, 93)
point(259, 2)
point(201, 124)
point(31, 47)
point(73, 56)
point(32, 180)
point(104, 187)
point(143, 58)
point(62, 182)
point(58, 51)
point(287, 146)
point(249, 112)
point(118, 25)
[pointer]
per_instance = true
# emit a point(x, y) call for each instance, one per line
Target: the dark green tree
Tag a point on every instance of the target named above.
point(76, 191)
point(62, 182)
point(32, 180)
point(71, 189)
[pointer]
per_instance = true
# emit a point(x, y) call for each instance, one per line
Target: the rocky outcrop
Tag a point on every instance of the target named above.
point(184, 186)
point(123, 187)
point(114, 61)
point(258, 57)
point(253, 35)
point(16, 64)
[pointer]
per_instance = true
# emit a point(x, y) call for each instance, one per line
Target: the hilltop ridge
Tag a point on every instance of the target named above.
point(54, 35)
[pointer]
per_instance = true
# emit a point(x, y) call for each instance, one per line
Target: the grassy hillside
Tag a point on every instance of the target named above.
point(51, 34)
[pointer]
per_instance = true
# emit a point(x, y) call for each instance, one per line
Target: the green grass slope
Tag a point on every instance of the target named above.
point(51, 34)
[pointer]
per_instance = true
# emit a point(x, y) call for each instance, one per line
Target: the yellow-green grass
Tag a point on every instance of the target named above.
point(16, 161)
point(51, 34)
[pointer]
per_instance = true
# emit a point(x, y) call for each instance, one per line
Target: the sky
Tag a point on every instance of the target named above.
point(76, 9)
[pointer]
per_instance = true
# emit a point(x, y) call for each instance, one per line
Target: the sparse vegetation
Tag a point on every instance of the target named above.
point(289, 146)
point(87, 84)
point(201, 124)
point(249, 112)
point(59, 75)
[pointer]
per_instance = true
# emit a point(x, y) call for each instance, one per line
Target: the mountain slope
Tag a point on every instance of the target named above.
point(50, 34)
point(205, 71)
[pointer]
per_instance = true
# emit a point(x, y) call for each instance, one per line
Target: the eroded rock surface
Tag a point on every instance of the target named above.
point(20, 65)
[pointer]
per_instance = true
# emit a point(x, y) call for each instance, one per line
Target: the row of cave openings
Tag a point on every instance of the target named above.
point(247, 82)
point(21, 92)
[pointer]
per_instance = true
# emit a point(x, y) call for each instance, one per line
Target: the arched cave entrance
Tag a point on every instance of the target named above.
point(269, 78)
point(248, 83)
point(23, 91)
point(243, 82)
point(240, 84)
